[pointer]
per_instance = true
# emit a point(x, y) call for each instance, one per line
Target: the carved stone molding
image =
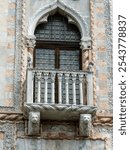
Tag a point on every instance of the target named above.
point(92, 21)
point(11, 117)
point(44, 19)
point(44, 10)
point(85, 125)
point(59, 111)
point(72, 21)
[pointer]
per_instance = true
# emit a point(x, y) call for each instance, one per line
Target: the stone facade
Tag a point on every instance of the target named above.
point(18, 19)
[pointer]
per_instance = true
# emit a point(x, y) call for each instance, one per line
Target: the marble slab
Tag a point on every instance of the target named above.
point(41, 144)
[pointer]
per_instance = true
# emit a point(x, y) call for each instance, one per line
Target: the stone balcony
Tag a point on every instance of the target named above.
point(59, 95)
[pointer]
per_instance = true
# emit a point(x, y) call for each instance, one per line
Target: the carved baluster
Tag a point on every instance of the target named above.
point(39, 87)
point(60, 88)
point(74, 88)
point(30, 86)
point(53, 87)
point(67, 87)
point(46, 86)
point(89, 77)
point(81, 88)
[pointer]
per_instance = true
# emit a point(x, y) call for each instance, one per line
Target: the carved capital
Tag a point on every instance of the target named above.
point(30, 41)
point(74, 77)
point(53, 77)
point(67, 76)
point(85, 125)
point(60, 76)
point(46, 75)
point(39, 76)
point(81, 77)
point(34, 123)
point(85, 43)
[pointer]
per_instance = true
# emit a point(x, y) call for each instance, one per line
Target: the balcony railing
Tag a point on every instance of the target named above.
point(59, 87)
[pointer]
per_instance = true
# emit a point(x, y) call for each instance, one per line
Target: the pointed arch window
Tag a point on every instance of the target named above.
point(57, 88)
point(57, 45)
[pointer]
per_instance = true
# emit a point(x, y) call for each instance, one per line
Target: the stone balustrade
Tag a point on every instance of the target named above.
point(59, 87)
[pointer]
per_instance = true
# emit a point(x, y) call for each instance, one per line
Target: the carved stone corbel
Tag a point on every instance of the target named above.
point(34, 123)
point(85, 125)
point(30, 43)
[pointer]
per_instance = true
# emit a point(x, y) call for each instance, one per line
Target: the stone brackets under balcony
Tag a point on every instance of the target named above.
point(38, 111)
point(59, 95)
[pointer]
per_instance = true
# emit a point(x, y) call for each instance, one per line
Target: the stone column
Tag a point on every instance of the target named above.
point(81, 88)
point(30, 42)
point(38, 87)
point(74, 88)
point(30, 82)
point(53, 87)
point(67, 87)
point(86, 52)
point(60, 88)
point(46, 87)
point(86, 46)
point(90, 84)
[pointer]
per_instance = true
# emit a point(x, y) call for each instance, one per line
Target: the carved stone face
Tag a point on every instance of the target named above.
point(85, 118)
point(35, 118)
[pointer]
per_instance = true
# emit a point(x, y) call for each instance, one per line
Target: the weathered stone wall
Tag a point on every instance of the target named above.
point(7, 45)
point(14, 19)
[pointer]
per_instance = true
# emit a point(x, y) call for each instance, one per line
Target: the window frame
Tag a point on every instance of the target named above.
point(57, 46)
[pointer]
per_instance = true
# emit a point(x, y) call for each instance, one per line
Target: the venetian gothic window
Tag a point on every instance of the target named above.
point(57, 48)
point(57, 45)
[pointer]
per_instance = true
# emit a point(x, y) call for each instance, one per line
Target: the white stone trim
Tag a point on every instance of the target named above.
point(43, 11)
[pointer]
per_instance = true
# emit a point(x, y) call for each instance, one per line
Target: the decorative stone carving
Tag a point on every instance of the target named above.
point(65, 9)
point(31, 41)
point(85, 43)
point(29, 60)
point(34, 123)
point(11, 117)
point(53, 111)
point(90, 67)
point(85, 125)
point(44, 19)
point(70, 20)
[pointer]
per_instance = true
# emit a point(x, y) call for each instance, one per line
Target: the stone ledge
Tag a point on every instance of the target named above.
point(59, 111)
